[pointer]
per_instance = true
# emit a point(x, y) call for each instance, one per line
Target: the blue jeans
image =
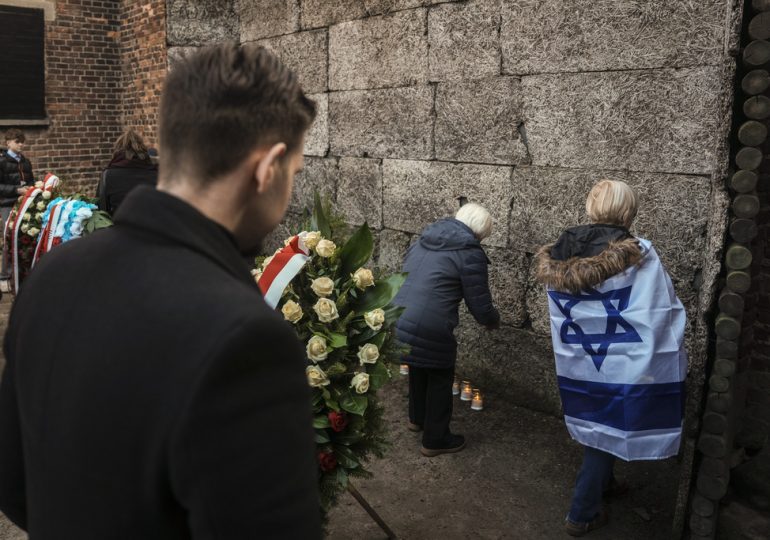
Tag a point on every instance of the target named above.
point(594, 477)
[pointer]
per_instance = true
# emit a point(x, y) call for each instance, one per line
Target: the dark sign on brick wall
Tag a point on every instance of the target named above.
point(22, 65)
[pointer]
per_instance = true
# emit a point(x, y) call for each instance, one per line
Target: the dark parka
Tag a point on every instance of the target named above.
point(13, 174)
point(446, 265)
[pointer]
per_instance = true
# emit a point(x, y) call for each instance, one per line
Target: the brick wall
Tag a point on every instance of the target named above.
point(82, 93)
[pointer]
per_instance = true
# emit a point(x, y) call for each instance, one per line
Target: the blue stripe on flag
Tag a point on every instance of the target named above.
point(628, 407)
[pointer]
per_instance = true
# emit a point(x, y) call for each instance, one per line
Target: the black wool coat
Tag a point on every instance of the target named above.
point(13, 175)
point(151, 393)
point(446, 266)
point(119, 178)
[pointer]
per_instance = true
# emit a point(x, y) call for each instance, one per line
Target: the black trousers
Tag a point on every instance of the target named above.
point(430, 403)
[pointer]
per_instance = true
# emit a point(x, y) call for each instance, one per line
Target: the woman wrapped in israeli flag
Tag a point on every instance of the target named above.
point(618, 337)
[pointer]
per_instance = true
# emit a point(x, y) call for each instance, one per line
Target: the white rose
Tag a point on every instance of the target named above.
point(46, 195)
point(368, 354)
point(326, 310)
point(316, 376)
point(24, 227)
point(39, 216)
point(292, 312)
point(360, 383)
point(323, 286)
point(316, 349)
point(26, 217)
point(311, 239)
point(266, 262)
point(33, 231)
point(257, 273)
point(363, 278)
point(325, 248)
point(375, 319)
point(41, 206)
point(39, 185)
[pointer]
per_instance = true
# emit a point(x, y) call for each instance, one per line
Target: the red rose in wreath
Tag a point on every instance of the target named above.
point(26, 240)
point(327, 461)
point(338, 420)
point(56, 240)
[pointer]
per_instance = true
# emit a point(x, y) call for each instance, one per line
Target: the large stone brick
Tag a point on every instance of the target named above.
point(464, 40)
point(267, 18)
point(359, 191)
point(477, 121)
point(393, 246)
point(291, 225)
point(596, 35)
point(319, 174)
point(201, 22)
point(318, 13)
point(317, 138)
point(416, 193)
point(662, 121)
point(176, 54)
point(306, 54)
point(509, 361)
point(383, 51)
point(508, 283)
point(393, 122)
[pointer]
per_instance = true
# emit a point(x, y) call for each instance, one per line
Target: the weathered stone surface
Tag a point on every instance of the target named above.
point(464, 40)
point(515, 362)
point(416, 193)
point(267, 18)
point(291, 224)
point(383, 51)
point(318, 13)
point(393, 122)
point(317, 138)
point(319, 174)
point(175, 54)
point(374, 7)
point(393, 246)
point(305, 53)
point(596, 35)
point(478, 121)
point(508, 282)
point(359, 191)
point(201, 22)
point(664, 121)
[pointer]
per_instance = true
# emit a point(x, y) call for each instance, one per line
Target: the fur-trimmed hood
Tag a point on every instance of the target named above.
point(580, 272)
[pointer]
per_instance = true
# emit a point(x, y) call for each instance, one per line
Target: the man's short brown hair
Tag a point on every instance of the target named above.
point(15, 134)
point(223, 101)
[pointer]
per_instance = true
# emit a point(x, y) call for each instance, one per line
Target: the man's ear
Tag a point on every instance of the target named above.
point(264, 174)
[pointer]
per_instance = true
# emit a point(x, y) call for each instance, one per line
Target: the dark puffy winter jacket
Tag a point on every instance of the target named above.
point(13, 175)
point(445, 266)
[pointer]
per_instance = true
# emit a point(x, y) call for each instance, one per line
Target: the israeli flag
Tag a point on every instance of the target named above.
point(621, 362)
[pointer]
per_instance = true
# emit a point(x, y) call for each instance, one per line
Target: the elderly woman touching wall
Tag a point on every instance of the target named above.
point(445, 266)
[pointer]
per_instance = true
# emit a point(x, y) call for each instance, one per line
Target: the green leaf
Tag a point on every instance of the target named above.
point(342, 477)
point(321, 437)
point(378, 376)
point(319, 222)
point(379, 339)
point(348, 439)
point(336, 369)
point(337, 341)
point(346, 457)
point(392, 313)
point(354, 404)
point(381, 294)
point(332, 404)
point(321, 421)
point(357, 250)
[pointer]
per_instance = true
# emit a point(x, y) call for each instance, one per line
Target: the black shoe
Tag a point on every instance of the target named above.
point(456, 444)
point(581, 529)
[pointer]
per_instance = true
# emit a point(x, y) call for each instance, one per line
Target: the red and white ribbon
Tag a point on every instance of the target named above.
point(284, 266)
point(26, 202)
point(45, 242)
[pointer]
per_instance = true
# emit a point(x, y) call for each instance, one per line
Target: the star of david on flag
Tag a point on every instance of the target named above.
point(596, 344)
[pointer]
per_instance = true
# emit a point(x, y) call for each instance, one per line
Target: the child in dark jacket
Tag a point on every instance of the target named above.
point(15, 177)
point(618, 336)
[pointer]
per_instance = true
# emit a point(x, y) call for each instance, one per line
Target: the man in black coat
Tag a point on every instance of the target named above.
point(149, 391)
point(15, 177)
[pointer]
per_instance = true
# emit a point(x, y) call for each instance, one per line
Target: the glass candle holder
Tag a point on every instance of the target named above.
point(477, 404)
point(466, 394)
point(404, 369)
point(456, 387)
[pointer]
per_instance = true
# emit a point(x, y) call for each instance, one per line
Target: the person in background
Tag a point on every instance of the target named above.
point(165, 399)
point(445, 266)
point(618, 336)
point(131, 166)
point(15, 176)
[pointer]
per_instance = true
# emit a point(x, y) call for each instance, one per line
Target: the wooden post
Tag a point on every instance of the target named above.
point(745, 205)
point(727, 327)
point(739, 281)
point(718, 402)
point(755, 82)
point(760, 5)
point(744, 181)
point(738, 257)
point(759, 27)
point(731, 303)
point(757, 53)
point(752, 133)
point(743, 230)
point(369, 510)
point(757, 107)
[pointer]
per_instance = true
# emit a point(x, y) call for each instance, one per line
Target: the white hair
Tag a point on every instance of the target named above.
point(477, 218)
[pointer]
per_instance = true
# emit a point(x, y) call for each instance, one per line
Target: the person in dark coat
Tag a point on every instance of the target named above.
point(445, 266)
point(15, 176)
point(130, 167)
point(149, 391)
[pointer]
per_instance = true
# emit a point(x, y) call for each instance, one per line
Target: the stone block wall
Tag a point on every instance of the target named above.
point(519, 105)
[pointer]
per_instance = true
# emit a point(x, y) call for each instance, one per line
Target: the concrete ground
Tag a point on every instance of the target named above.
point(513, 481)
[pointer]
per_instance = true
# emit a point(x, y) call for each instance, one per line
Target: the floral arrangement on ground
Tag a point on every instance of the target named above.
point(342, 310)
